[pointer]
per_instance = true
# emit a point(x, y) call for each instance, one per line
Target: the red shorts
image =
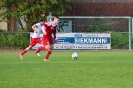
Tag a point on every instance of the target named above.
point(48, 41)
point(34, 41)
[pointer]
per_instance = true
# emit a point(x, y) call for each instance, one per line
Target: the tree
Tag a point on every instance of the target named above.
point(31, 10)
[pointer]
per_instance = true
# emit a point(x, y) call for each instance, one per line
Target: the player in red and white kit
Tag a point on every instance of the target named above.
point(48, 29)
point(35, 38)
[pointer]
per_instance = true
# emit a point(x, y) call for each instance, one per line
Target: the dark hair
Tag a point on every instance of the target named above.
point(56, 17)
point(41, 20)
point(43, 13)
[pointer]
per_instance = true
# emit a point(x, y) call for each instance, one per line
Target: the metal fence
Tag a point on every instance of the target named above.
point(98, 24)
point(120, 28)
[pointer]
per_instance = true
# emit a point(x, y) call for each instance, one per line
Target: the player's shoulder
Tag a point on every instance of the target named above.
point(48, 23)
point(53, 24)
point(37, 24)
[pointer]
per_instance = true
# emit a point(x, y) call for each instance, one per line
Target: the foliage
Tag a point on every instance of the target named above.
point(119, 40)
point(30, 10)
point(2, 30)
point(99, 25)
point(20, 40)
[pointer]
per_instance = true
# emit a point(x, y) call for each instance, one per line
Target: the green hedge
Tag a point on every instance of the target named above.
point(119, 40)
point(20, 40)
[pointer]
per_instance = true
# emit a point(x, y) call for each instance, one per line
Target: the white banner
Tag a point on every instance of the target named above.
point(82, 41)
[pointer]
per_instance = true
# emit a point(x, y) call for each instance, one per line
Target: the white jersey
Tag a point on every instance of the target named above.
point(38, 27)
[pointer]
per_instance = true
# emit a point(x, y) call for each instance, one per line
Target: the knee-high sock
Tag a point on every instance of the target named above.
point(48, 53)
point(24, 51)
point(40, 48)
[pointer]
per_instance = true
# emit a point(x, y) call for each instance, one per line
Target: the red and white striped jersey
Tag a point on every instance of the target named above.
point(50, 28)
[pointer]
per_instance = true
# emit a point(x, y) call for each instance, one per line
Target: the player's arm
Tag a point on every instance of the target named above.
point(34, 27)
point(54, 33)
point(44, 29)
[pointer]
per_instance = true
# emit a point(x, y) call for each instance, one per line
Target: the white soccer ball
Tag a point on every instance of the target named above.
point(74, 55)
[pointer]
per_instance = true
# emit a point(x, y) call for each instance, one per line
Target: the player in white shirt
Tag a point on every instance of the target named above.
point(35, 38)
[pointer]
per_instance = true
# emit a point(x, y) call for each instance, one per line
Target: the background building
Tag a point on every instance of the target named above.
point(100, 8)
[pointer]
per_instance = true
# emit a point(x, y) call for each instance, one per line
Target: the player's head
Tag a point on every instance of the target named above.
point(41, 21)
point(56, 19)
point(43, 14)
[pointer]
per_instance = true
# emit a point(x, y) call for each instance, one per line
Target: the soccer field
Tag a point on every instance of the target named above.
point(90, 70)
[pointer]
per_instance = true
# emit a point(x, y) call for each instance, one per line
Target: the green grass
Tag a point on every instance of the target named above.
point(90, 70)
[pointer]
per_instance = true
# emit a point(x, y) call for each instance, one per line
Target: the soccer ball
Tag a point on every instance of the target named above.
point(74, 55)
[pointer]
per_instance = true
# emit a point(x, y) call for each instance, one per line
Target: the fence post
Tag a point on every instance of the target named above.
point(130, 33)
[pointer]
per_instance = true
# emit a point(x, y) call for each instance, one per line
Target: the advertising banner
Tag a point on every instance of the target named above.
point(82, 41)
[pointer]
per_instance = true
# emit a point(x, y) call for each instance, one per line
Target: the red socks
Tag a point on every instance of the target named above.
point(40, 48)
point(24, 51)
point(43, 48)
point(48, 53)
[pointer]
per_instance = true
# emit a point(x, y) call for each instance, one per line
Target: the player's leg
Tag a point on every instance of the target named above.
point(32, 43)
point(49, 52)
point(24, 51)
point(49, 46)
point(40, 48)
